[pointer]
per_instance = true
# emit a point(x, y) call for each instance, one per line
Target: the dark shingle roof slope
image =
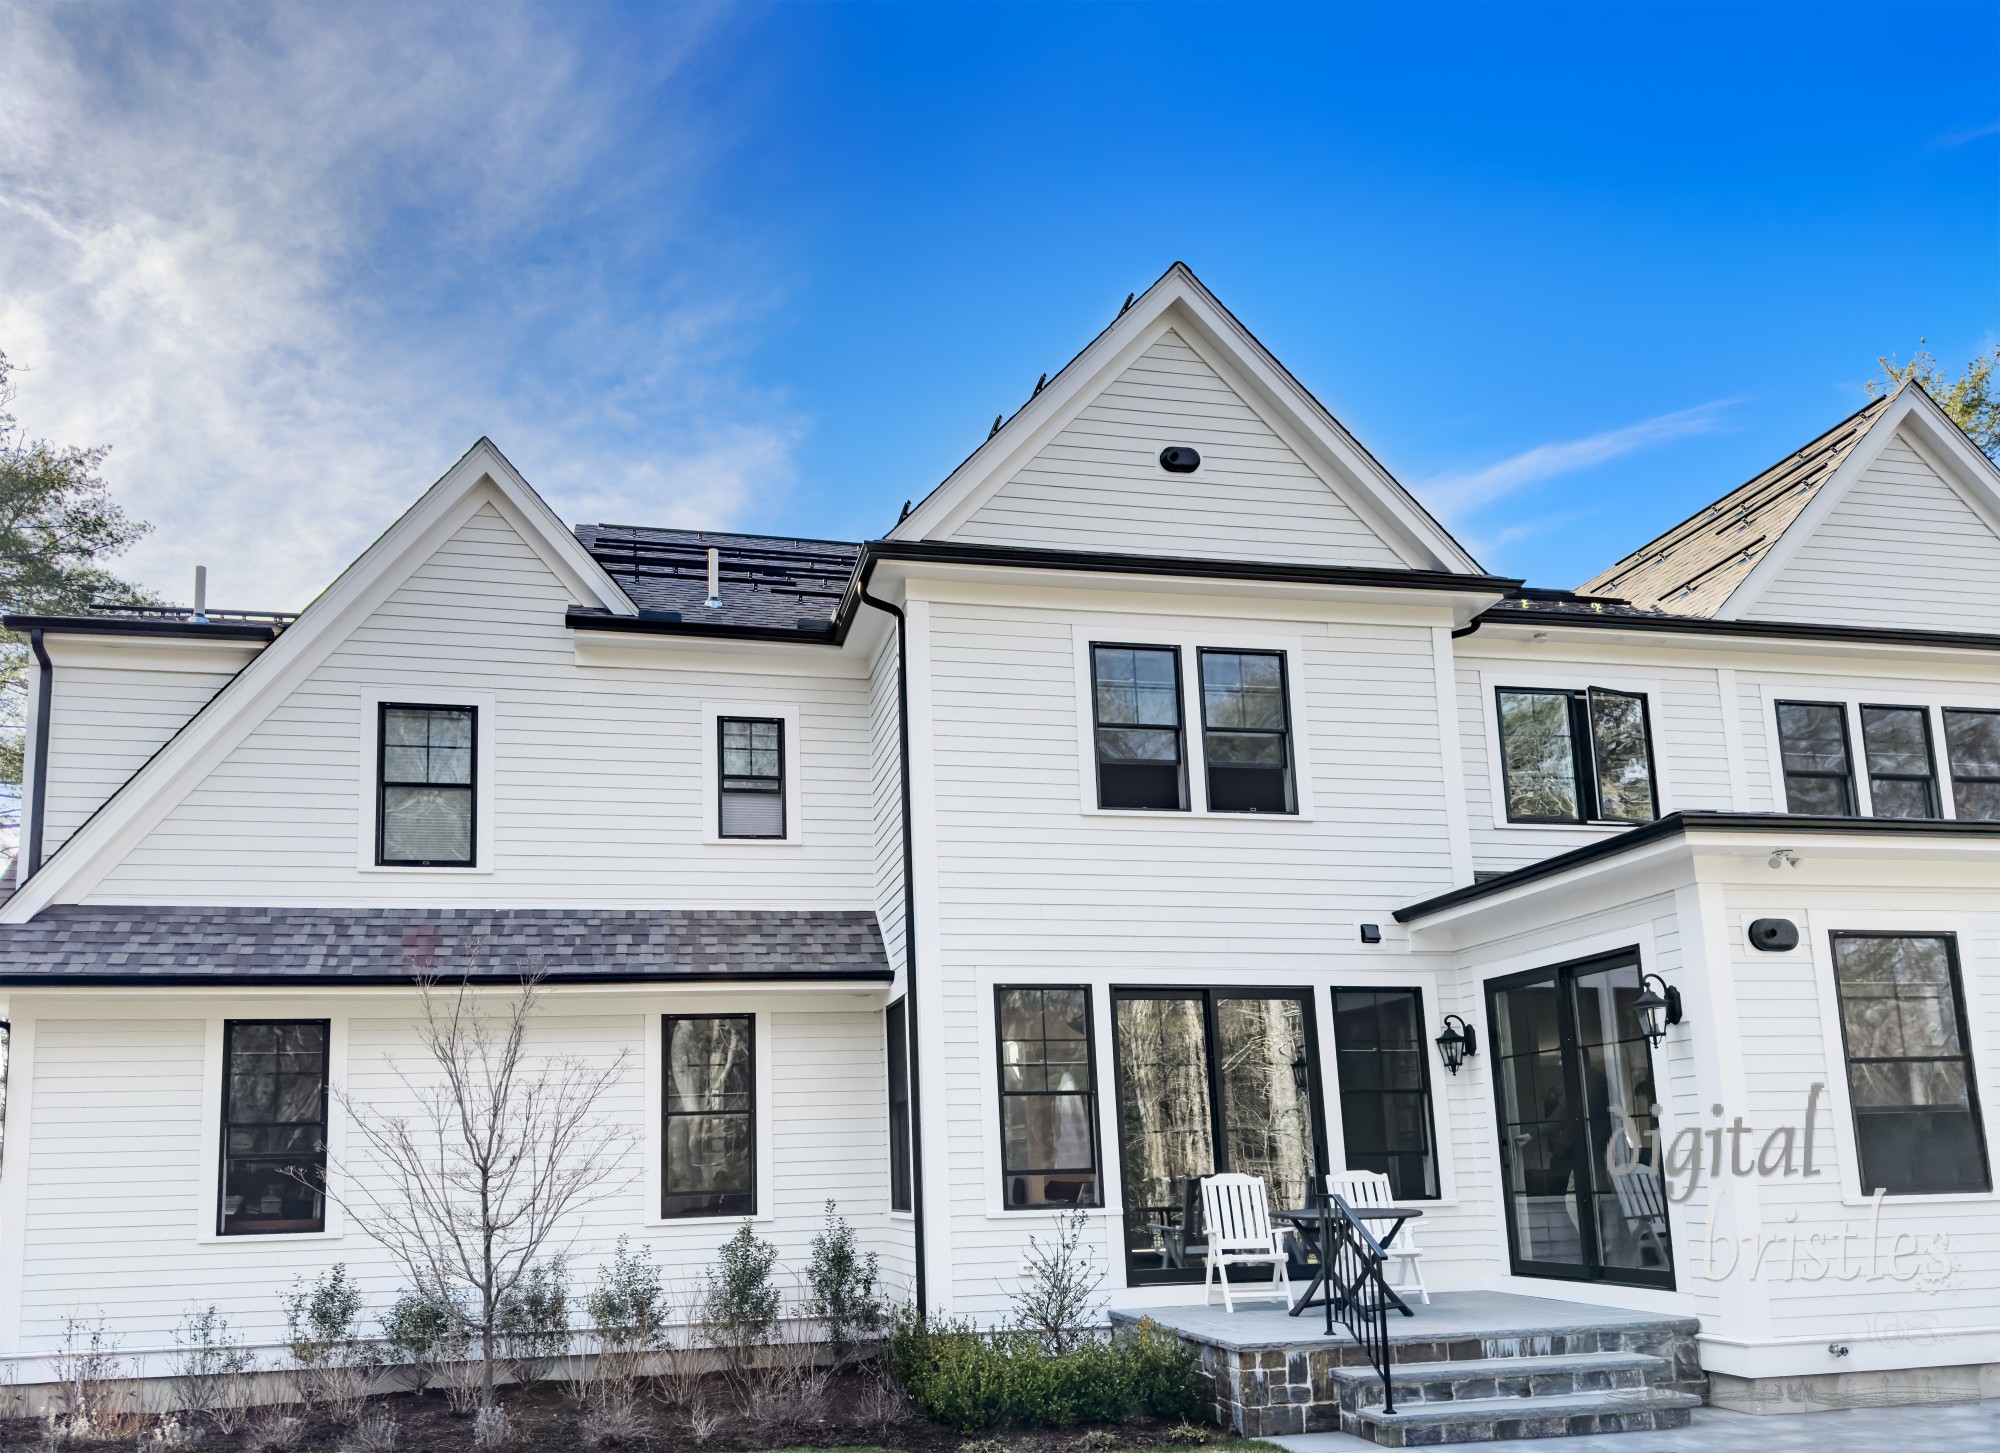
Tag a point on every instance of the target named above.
point(1694, 567)
point(767, 580)
point(93, 944)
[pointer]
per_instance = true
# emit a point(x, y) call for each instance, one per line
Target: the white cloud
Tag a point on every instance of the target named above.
point(1461, 492)
point(290, 262)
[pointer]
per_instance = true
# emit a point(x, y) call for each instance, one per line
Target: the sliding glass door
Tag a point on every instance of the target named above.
point(1209, 1080)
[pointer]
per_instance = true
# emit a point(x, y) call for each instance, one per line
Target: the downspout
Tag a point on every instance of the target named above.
point(909, 945)
point(45, 690)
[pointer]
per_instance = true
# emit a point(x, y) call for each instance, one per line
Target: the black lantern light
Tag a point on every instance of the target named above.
point(1455, 1044)
point(1657, 1010)
point(1300, 1072)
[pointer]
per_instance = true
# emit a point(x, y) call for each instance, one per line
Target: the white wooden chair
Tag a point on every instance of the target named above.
point(1236, 1212)
point(1371, 1188)
point(1641, 1200)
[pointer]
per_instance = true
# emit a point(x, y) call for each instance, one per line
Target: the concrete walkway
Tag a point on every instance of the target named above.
point(1965, 1426)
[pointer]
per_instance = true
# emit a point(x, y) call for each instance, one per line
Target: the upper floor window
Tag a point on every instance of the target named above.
point(1909, 1076)
point(752, 783)
point(424, 816)
point(1246, 731)
point(1136, 691)
point(1048, 1098)
point(711, 1119)
point(1812, 740)
point(1576, 756)
point(273, 1126)
point(1897, 742)
point(1972, 746)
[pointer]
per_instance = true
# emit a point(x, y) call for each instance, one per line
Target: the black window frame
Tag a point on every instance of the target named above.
point(1965, 1058)
point(316, 1158)
point(668, 1114)
point(1283, 734)
point(1582, 754)
point(1951, 763)
point(1094, 1171)
point(1785, 774)
point(1422, 1046)
point(1098, 725)
point(723, 779)
point(896, 1047)
point(383, 784)
point(1930, 775)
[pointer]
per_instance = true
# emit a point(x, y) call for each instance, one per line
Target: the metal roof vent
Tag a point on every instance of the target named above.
point(714, 579)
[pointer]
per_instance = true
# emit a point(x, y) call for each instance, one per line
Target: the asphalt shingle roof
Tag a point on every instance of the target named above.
point(767, 580)
point(1694, 567)
point(89, 943)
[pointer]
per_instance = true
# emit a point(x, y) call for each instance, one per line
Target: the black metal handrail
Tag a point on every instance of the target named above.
point(1356, 1292)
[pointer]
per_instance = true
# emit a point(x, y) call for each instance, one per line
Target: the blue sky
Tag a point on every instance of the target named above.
point(1570, 272)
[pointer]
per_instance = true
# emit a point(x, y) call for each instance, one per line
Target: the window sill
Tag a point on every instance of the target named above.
point(1093, 1212)
point(657, 1223)
point(211, 1238)
point(1940, 1198)
point(715, 840)
point(1596, 826)
point(1171, 815)
point(412, 870)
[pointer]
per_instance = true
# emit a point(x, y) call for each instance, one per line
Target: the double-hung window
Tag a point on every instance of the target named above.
point(424, 800)
point(1246, 731)
point(711, 1120)
point(1576, 755)
point(1385, 1088)
point(751, 788)
point(1901, 779)
point(1819, 775)
point(1048, 1098)
point(1972, 746)
point(273, 1126)
point(1909, 1076)
point(1136, 693)
point(898, 1033)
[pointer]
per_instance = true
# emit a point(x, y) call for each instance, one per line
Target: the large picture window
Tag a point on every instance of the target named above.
point(1819, 774)
point(1902, 782)
point(1048, 1098)
point(1576, 756)
point(898, 1031)
point(273, 1126)
point(1136, 694)
point(1383, 1065)
point(424, 816)
point(711, 1122)
point(1972, 746)
point(752, 785)
point(1917, 1127)
point(1246, 731)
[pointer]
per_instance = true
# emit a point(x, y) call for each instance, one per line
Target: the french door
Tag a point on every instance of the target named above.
point(1573, 1076)
point(1209, 1080)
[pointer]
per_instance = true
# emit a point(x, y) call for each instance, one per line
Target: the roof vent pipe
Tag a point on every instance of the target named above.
point(715, 580)
point(200, 616)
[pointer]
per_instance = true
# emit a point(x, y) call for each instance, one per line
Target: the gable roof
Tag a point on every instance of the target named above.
point(1695, 567)
point(1180, 301)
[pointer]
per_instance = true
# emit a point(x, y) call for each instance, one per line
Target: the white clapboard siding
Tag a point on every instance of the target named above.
point(597, 771)
point(885, 767)
point(117, 1190)
point(1901, 548)
point(1098, 484)
point(104, 722)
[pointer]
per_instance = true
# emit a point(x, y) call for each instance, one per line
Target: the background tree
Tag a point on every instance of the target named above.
point(58, 522)
point(1969, 399)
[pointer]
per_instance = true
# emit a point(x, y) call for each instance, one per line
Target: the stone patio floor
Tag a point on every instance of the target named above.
point(1854, 1430)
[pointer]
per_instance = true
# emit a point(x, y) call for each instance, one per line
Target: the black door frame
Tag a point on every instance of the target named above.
point(1306, 997)
point(1592, 1268)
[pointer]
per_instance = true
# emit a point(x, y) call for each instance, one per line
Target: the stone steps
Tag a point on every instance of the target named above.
point(1484, 1420)
point(1505, 1377)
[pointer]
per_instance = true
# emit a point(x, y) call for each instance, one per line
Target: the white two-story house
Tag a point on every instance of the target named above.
point(1149, 802)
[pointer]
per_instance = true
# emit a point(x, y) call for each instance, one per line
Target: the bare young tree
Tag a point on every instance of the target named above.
point(502, 1149)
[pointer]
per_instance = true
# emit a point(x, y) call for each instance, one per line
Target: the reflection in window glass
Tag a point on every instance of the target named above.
point(898, 1030)
point(273, 1126)
point(1381, 1057)
point(1812, 739)
point(752, 786)
point(710, 1129)
point(1138, 703)
point(1245, 735)
point(1048, 1097)
point(1972, 745)
point(1538, 754)
point(1897, 743)
point(1909, 1077)
point(1622, 756)
point(425, 809)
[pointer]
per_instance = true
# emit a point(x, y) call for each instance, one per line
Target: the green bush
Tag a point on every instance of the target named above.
point(970, 1379)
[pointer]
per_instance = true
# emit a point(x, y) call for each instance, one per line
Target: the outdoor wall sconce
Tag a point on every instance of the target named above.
point(1656, 1012)
point(1455, 1044)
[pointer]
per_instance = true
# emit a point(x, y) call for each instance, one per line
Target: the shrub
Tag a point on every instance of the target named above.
point(534, 1321)
point(742, 1304)
point(335, 1367)
point(1056, 1295)
point(971, 1380)
point(627, 1309)
point(210, 1369)
point(844, 1296)
point(422, 1328)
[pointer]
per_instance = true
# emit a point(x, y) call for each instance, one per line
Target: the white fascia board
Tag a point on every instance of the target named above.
point(1939, 440)
point(482, 477)
point(150, 653)
point(1179, 301)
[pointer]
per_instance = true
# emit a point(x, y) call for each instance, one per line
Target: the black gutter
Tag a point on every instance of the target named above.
point(115, 626)
point(1501, 615)
point(45, 691)
point(912, 1038)
point(1675, 823)
point(670, 623)
point(57, 979)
